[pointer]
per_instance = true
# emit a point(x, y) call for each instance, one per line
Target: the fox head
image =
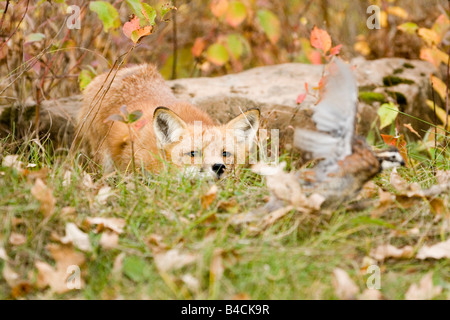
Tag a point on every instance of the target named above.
point(205, 150)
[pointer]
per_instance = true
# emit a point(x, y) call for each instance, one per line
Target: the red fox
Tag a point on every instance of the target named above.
point(173, 130)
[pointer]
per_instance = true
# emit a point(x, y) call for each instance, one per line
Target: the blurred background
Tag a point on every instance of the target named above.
point(41, 58)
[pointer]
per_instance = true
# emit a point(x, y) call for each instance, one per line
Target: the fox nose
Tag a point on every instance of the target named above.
point(219, 168)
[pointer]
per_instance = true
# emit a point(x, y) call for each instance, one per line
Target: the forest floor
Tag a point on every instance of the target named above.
point(163, 237)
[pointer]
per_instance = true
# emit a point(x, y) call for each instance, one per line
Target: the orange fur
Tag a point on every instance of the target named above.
point(139, 88)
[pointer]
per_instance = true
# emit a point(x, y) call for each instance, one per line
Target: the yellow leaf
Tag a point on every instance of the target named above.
point(429, 36)
point(397, 11)
point(362, 47)
point(383, 19)
point(439, 87)
point(434, 56)
point(441, 114)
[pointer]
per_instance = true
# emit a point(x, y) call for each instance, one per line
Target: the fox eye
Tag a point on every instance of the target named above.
point(226, 154)
point(194, 153)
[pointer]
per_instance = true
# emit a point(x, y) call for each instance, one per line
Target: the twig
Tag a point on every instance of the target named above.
point(435, 126)
point(175, 42)
point(4, 13)
point(17, 27)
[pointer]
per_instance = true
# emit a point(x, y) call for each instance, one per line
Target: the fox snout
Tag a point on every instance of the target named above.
point(219, 169)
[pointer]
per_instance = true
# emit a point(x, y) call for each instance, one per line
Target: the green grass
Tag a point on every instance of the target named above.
point(292, 259)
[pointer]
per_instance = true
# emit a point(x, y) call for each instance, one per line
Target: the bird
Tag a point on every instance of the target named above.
point(346, 161)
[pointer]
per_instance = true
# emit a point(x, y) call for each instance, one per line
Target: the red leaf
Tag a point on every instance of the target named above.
point(399, 142)
point(320, 39)
point(306, 87)
point(131, 26)
point(301, 97)
point(138, 125)
point(198, 47)
point(315, 57)
point(335, 50)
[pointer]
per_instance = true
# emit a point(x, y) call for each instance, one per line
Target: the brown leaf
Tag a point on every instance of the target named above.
point(114, 224)
point(12, 161)
point(76, 237)
point(425, 290)
point(410, 128)
point(389, 251)
point(216, 268)
point(173, 259)
point(386, 199)
point(45, 196)
point(3, 254)
point(10, 276)
point(440, 250)
point(443, 177)
point(103, 194)
point(109, 240)
point(370, 294)
point(208, 198)
point(56, 278)
point(344, 286)
point(191, 282)
point(17, 239)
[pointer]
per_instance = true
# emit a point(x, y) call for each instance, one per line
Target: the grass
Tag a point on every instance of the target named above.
point(292, 259)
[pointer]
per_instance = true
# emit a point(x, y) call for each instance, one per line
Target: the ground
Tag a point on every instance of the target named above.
point(180, 238)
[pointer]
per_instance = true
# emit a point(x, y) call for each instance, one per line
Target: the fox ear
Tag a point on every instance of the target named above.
point(245, 125)
point(167, 125)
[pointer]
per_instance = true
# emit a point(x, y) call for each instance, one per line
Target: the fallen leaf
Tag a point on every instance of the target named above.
point(118, 265)
point(44, 195)
point(3, 254)
point(425, 290)
point(109, 240)
point(76, 237)
point(12, 161)
point(438, 251)
point(410, 128)
point(241, 296)
point(386, 199)
point(216, 268)
point(370, 294)
point(443, 177)
point(208, 198)
point(103, 194)
point(17, 239)
point(397, 181)
point(114, 224)
point(11, 277)
point(191, 282)
point(173, 259)
point(344, 286)
point(389, 251)
point(57, 277)
point(67, 178)
point(87, 181)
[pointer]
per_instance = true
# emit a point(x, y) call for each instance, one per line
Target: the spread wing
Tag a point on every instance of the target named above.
point(334, 117)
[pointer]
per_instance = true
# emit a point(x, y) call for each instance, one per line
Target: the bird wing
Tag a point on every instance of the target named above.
point(334, 117)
